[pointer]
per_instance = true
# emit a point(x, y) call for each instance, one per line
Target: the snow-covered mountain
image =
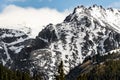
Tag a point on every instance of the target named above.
point(19, 27)
point(11, 44)
point(85, 32)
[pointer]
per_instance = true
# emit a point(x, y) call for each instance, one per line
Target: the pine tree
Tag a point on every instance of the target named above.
point(61, 75)
point(37, 76)
point(7, 74)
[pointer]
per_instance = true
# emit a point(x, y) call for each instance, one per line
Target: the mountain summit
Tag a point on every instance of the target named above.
point(85, 32)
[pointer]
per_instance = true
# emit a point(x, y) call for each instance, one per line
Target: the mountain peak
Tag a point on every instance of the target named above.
point(85, 32)
point(79, 9)
point(82, 8)
point(110, 16)
point(95, 7)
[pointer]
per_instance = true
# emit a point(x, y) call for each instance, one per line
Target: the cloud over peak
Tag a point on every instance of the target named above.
point(34, 18)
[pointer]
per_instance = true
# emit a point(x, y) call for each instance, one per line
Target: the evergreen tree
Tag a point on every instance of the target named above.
point(37, 76)
point(61, 75)
point(7, 74)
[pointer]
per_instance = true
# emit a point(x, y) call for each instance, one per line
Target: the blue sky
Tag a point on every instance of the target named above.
point(59, 5)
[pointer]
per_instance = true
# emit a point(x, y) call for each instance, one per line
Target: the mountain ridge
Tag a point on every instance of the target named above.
point(85, 32)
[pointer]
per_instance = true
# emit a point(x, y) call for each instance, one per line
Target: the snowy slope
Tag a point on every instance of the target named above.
point(26, 29)
point(85, 32)
point(11, 44)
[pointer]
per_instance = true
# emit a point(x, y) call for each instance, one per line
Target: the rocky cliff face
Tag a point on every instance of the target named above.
point(85, 32)
point(12, 42)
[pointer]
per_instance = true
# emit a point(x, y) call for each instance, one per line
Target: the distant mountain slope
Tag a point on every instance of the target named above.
point(12, 42)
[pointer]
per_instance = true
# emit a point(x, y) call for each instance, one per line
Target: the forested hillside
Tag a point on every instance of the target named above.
point(7, 74)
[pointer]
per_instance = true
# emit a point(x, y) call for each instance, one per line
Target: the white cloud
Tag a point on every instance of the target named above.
point(35, 18)
point(115, 4)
